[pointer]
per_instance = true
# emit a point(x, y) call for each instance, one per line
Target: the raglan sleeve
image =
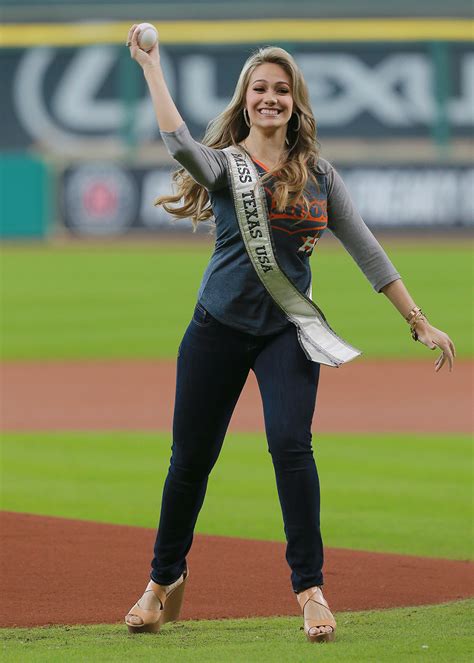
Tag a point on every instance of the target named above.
point(205, 165)
point(346, 224)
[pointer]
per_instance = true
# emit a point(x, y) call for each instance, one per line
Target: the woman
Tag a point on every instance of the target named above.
point(237, 325)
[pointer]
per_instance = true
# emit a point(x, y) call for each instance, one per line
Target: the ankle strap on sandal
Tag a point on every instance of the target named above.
point(312, 593)
point(162, 591)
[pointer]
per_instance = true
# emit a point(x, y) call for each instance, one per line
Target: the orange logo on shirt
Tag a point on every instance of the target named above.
point(299, 218)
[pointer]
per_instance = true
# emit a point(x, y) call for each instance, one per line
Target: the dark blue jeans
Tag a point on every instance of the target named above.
point(214, 361)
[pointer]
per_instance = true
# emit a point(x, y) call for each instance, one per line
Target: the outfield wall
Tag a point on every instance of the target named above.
point(106, 199)
point(64, 101)
point(394, 102)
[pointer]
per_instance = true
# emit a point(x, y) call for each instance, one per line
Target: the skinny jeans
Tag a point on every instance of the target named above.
point(214, 361)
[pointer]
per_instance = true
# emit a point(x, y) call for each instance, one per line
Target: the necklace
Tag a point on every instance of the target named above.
point(245, 147)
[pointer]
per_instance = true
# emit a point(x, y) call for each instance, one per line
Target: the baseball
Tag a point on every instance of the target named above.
point(148, 36)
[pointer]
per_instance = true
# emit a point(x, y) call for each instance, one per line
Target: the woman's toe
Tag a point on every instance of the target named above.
point(134, 620)
point(318, 630)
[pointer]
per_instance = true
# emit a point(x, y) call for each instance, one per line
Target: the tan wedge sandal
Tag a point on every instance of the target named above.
point(170, 598)
point(316, 613)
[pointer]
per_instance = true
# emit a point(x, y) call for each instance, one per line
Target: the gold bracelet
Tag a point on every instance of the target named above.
point(414, 311)
point(415, 315)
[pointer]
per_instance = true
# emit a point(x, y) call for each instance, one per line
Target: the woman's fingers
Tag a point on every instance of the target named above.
point(134, 38)
point(451, 345)
point(439, 362)
point(448, 354)
point(435, 338)
point(135, 50)
point(130, 34)
point(450, 360)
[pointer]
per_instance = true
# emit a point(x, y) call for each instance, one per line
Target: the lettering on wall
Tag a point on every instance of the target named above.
point(59, 98)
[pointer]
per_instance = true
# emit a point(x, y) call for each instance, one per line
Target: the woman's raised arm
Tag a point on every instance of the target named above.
point(204, 164)
point(167, 114)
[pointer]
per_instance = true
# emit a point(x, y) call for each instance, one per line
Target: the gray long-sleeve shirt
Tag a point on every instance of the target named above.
point(230, 289)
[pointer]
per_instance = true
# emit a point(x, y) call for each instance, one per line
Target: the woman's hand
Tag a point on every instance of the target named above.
point(435, 338)
point(145, 59)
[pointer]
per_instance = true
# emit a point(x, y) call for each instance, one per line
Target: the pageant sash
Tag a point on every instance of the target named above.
point(319, 342)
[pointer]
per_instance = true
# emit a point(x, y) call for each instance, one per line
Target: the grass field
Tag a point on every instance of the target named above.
point(436, 633)
point(395, 493)
point(129, 301)
point(379, 492)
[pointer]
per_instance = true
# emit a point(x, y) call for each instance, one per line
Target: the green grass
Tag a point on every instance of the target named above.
point(408, 494)
point(129, 301)
point(439, 633)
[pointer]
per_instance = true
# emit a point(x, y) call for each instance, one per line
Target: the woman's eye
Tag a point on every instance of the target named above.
point(280, 91)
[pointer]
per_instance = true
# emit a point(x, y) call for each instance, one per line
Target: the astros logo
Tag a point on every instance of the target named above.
point(300, 219)
point(308, 244)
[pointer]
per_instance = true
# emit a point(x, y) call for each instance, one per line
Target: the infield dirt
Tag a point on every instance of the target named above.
point(364, 397)
point(59, 571)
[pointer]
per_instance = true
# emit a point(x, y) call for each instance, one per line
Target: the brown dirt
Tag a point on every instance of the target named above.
point(81, 572)
point(365, 396)
point(58, 571)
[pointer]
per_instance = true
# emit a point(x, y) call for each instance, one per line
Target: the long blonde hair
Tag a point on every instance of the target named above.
point(229, 128)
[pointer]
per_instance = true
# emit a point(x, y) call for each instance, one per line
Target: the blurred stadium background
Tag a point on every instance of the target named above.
point(391, 83)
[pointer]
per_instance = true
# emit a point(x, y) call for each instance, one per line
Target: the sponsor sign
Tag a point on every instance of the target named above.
point(413, 196)
point(100, 199)
point(57, 98)
point(107, 199)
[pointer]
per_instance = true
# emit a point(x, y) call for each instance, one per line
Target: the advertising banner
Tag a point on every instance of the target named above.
point(63, 99)
point(106, 199)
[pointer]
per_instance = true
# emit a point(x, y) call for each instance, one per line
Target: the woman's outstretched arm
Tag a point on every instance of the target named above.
point(346, 223)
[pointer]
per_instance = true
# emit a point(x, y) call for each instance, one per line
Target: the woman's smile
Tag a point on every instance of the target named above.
point(271, 112)
point(269, 95)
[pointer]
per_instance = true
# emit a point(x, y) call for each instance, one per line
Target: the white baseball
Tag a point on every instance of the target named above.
point(148, 36)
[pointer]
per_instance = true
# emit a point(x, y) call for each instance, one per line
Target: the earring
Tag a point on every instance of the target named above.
point(299, 122)
point(296, 129)
point(246, 118)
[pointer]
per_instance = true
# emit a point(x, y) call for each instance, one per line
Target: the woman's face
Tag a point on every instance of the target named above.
point(269, 100)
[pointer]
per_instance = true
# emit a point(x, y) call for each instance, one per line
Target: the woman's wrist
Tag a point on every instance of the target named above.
point(417, 320)
point(151, 68)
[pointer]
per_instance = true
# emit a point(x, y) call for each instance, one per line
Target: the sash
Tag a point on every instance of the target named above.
point(319, 342)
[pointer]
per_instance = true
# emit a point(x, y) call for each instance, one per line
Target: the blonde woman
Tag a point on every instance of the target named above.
point(238, 326)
